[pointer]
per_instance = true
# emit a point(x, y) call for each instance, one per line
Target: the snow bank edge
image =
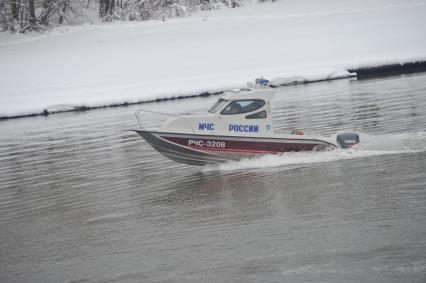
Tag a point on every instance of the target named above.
point(363, 72)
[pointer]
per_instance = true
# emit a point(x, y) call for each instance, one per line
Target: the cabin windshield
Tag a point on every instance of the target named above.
point(220, 102)
point(243, 106)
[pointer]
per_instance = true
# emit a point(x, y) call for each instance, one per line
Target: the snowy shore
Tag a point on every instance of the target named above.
point(97, 65)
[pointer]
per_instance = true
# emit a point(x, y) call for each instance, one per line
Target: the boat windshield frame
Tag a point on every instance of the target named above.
point(243, 109)
point(218, 105)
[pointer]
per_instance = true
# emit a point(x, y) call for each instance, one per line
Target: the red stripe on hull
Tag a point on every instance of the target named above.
point(241, 146)
point(234, 150)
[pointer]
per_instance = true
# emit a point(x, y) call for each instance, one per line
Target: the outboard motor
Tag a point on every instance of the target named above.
point(347, 140)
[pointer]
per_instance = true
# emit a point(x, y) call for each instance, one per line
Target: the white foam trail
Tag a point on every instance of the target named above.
point(371, 145)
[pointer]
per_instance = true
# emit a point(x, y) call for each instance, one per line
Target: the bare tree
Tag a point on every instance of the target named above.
point(24, 15)
point(31, 8)
point(106, 9)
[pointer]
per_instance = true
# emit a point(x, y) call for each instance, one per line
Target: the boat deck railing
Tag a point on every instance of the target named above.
point(138, 117)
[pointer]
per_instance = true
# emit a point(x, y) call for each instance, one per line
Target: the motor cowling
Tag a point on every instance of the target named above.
point(347, 140)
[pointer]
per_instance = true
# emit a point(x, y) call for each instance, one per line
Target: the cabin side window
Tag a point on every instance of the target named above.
point(242, 106)
point(258, 115)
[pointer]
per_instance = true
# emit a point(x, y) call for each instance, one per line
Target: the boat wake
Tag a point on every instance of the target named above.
point(371, 145)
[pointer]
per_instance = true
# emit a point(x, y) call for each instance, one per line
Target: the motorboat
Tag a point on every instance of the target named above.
point(237, 126)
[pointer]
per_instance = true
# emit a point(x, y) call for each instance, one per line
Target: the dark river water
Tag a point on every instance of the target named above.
point(82, 199)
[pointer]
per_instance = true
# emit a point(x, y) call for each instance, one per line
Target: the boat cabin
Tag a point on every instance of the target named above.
point(246, 114)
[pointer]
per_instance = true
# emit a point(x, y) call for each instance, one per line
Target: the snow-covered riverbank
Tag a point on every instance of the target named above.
point(128, 62)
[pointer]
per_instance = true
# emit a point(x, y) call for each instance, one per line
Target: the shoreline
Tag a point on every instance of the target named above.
point(362, 73)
